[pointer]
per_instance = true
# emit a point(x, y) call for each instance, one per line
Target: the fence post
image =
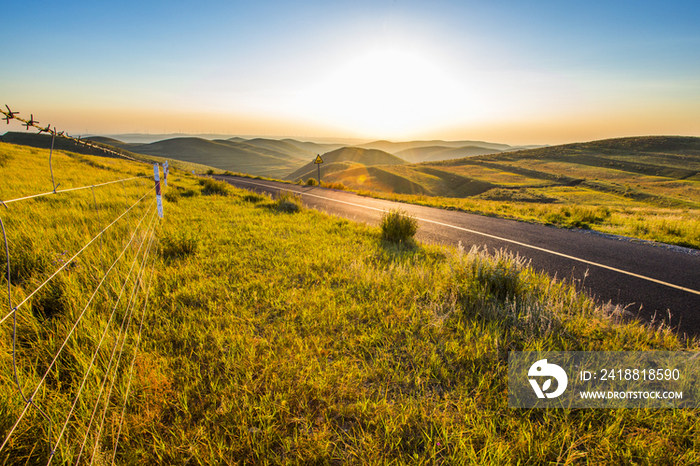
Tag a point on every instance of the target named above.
point(159, 200)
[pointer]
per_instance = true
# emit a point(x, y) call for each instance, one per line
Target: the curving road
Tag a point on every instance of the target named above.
point(650, 280)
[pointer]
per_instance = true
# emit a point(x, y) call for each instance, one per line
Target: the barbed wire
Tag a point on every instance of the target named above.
point(10, 115)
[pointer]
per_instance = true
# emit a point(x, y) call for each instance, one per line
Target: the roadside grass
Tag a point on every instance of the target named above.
point(666, 225)
point(333, 185)
point(306, 339)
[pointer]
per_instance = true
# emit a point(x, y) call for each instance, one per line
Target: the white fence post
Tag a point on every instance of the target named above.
point(159, 199)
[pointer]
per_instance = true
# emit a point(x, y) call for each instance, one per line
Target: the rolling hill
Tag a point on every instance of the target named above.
point(282, 147)
point(402, 179)
point(355, 155)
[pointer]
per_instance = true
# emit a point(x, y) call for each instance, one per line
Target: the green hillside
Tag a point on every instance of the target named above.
point(288, 338)
point(358, 155)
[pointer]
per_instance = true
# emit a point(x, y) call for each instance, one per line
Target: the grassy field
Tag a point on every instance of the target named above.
point(277, 336)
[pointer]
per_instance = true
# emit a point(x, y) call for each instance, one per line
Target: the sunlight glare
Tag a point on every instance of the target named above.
point(389, 92)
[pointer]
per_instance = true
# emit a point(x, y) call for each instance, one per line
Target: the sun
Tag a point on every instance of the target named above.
point(388, 92)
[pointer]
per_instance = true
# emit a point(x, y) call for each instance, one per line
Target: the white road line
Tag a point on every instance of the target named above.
point(596, 264)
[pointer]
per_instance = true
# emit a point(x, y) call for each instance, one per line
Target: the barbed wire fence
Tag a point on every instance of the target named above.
point(77, 321)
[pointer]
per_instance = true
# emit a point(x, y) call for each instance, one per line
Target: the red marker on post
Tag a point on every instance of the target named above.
point(159, 200)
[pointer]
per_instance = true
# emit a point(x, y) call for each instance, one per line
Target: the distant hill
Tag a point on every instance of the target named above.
point(314, 147)
point(419, 154)
point(431, 153)
point(106, 140)
point(460, 152)
point(282, 147)
point(226, 155)
point(394, 147)
point(357, 155)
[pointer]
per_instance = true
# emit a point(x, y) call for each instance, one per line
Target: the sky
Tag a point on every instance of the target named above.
point(536, 72)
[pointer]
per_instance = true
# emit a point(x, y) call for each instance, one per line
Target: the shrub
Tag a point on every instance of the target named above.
point(212, 187)
point(289, 203)
point(311, 182)
point(255, 197)
point(334, 185)
point(502, 274)
point(210, 172)
point(398, 226)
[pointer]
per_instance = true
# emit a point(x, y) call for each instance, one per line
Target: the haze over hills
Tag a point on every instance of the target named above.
point(314, 147)
point(431, 153)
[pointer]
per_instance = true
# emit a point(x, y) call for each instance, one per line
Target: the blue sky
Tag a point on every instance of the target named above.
point(519, 72)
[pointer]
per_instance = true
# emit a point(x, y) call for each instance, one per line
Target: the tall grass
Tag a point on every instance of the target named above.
point(306, 339)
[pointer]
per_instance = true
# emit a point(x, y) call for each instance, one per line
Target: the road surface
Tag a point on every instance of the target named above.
point(650, 280)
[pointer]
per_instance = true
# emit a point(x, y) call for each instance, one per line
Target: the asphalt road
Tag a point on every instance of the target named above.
point(650, 280)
